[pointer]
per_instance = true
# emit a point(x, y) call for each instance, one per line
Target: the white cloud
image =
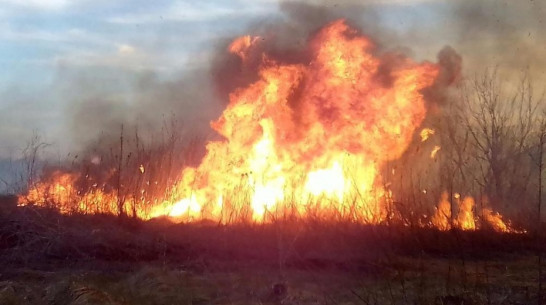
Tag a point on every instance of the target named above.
point(37, 4)
point(192, 11)
point(10, 34)
point(70, 36)
point(126, 49)
point(125, 57)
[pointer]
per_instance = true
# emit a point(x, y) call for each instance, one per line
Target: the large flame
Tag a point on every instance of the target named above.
point(303, 140)
point(309, 139)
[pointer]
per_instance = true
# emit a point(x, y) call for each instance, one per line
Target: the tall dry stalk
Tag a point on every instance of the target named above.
point(541, 142)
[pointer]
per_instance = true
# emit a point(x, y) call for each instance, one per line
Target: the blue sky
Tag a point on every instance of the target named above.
point(52, 50)
point(41, 39)
point(39, 36)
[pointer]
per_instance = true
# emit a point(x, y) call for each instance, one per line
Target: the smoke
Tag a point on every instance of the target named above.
point(100, 102)
point(507, 33)
point(486, 33)
point(286, 38)
point(481, 34)
point(142, 104)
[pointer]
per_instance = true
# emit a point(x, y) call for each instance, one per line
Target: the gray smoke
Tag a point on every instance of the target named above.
point(479, 34)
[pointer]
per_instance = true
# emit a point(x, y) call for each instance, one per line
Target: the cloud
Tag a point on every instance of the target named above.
point(127, 58)
point(198, 11)
point(37, 4)
point(125, 49)
point(57, 38)
point(8, 33)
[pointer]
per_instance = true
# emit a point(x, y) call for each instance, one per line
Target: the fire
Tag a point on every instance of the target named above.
point(241, 45)
point(330, 182)
point(316, 152)
point(426, 133)
point(495, 220)
point(466, 218)
point(303, 140)
point(60, 191)
point(434, 151)
point(442, 217)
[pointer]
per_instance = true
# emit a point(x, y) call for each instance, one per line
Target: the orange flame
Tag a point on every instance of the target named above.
point(303, 140)
point(442, 217)
point(60, 191)
point(495, 220)
point(434, 151)
point(318, 151)
point(466, 218)
point(241, 45)
point(426, 133)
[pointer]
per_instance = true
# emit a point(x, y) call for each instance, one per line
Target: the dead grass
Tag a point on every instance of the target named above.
point(405, 283)
point(55, 259)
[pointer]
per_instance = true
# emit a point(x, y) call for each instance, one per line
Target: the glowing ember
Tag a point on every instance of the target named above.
point(434, 151)
point(426, 133)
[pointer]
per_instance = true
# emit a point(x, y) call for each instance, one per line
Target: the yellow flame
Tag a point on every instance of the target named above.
point(442, 216)
point(434, 151)
point(426, 133)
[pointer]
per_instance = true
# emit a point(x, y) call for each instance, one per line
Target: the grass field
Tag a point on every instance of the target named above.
point(48, 258)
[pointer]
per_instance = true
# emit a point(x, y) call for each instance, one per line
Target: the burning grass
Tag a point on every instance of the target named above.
point(63, 192)
point(302, 142)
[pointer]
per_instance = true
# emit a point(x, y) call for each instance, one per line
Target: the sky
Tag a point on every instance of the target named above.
point(42, 42)
point(57, 55)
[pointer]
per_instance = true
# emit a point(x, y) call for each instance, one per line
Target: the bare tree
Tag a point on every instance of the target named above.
point(455, 157)
point(500, 127)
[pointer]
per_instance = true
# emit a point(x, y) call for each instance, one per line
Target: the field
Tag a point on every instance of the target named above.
point(50, 258)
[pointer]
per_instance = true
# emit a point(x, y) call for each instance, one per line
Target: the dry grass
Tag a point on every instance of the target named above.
point(407, 282)
point(55, 259)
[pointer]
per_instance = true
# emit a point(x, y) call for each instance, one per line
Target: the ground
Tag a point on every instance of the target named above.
point(410, 281)
point(56, 259)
